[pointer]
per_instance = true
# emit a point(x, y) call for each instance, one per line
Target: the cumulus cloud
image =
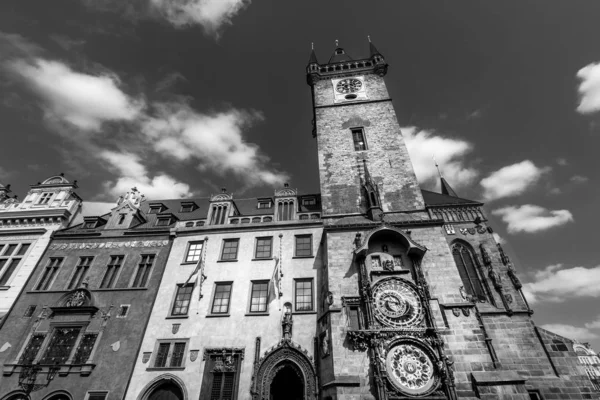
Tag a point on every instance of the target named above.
point(579, 179)
point(211, 14)
point(531, 218)
point(557, 284)
point(422, 145)
point(570, 331)
point(134, 174)
point(594, 324)
point(215, 141)
point(589, 89)
point(511, 180)
point(83, 100)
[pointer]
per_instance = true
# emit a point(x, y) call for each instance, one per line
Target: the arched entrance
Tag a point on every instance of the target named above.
point(166, 391)
point(287, 384)
point(285, 372)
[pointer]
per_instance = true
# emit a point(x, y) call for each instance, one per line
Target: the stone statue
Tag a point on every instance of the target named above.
point(287, 322)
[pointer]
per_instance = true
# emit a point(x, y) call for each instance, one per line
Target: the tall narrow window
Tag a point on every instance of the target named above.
point(32, 348)
point(258, 298)
point(112, 271)
point(466, 264)
point(80, 272)
point(193, 252)
point(161, 355)
point(121, 218)
point(143, 271)
point(222, 386)
point(230, 249)
point(9, 260)
point(182, 299)
point(219, 215)
point(303, 245)
point(358, 137)
point(354, 317)
point(221, 375)
point(285, 210)
point(264, 247)
point(220, 303)
point(304, 294)
point(170, 355)
point(49, 273)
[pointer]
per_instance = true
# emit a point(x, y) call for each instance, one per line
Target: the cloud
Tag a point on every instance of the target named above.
point(530, 218)
point(66, 42)
point(579, 179)
point(570, 331)
point(589, 89)
point(594, 324)
point(83, 100)
point(422, 145)
point(215, 141)
point(211, 14)
point(511, 180)
point(134, 174)
point(558, 284)
point(562, 161)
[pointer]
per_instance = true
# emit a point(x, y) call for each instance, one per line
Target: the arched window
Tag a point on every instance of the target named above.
point(467, 268)
point(219, 213)
point(256, 220)
point(285, 210)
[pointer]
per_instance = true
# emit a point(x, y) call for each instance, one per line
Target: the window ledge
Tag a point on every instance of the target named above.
point(304, 256)
point(223, 261)
point(165, 369)
point(303, 312)
point(177, 317)
point(218, 315)
point(117, 289)
point(4, 287)
point(262, 259)
point(257, 314)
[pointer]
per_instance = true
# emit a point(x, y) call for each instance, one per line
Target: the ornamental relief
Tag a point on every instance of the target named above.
point(108, 245)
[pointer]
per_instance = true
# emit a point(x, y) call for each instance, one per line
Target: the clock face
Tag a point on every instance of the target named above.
point(346, 86)
point(397, 304)
point(410, 368)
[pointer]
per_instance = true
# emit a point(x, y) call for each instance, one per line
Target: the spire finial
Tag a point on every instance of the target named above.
point(437, 166)
point(369, 37)
point(312, 45)
point(337, 43)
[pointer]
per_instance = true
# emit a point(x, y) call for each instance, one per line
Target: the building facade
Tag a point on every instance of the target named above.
point(26, 228)
point(590, 361)
point(76, 329)
point(372, 289)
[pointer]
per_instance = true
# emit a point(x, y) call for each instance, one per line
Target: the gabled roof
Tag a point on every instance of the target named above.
point(439, 199)
point(339, 55)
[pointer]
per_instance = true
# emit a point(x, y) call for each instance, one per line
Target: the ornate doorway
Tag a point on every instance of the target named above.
point(287, 384)
point(166, 391)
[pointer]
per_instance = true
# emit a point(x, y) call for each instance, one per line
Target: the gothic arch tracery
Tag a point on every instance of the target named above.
point(159, 380)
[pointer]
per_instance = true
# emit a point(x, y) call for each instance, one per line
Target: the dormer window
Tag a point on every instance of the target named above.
point(188, 207)
point(163, 221)
point(262, 204)
point(45, 198)
point(156, 208)
point(89, 225)
point(309, 201)
point(121, 219)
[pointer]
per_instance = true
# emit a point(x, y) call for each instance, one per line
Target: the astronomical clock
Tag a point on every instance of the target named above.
point(398, 332)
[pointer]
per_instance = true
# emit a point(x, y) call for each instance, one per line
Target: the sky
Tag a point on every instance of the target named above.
point(182, 98)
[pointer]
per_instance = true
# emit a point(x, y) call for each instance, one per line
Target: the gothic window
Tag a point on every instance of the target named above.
point(80, 272)
point(10, 256)
point(285, 210)
point(194, 251)
point(258, 296)
point(220, 304)
point(49, 273)
point(303, 294)
point(303, 246)
point(358, 137)
point(61, 345)
point(230, 249)
point(219, 215)
point(112, 271)
point(264, 247)
point(45, 198)
point(143, 270)
point(182, 299)
point(170, 354)
point(467, 268)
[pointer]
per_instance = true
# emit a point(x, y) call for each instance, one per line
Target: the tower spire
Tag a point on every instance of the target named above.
point(446, 188)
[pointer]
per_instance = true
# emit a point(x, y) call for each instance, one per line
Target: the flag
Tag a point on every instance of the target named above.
point(275, 282)
point(195, 271)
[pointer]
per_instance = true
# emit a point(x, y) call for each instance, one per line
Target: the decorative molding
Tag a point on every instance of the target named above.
point(108, 245)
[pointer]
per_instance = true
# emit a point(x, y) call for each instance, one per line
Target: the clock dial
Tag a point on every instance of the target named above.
point(348, 86)
point(410, 368)
point(397, 304)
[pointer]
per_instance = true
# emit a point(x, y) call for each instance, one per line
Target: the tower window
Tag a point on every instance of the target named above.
point(358, 136)
point(219, 214)
point(285, 210)
point(466, 264)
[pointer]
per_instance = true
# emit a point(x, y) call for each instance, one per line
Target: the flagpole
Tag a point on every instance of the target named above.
point(202, 265)
point(280, 268)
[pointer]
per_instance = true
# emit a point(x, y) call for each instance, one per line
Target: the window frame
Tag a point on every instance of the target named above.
point(268, 203)
point(364, 138)
point(214, 297)
point(149, 276)
point(47, 199)
point(256, 241)
point(127, 307)
point(90, 393)
point(178, 287)
point(187, 252)
point(237, 250)
point(309, 201)
point(168, 366)
point(250, 297)
point(296, 237)
point(53, 274)
point(185, 205)
point(312, 295)
point(79, 266)
point(6, 273)
point(160, 221)
point(461, 248)
point(118, 273)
